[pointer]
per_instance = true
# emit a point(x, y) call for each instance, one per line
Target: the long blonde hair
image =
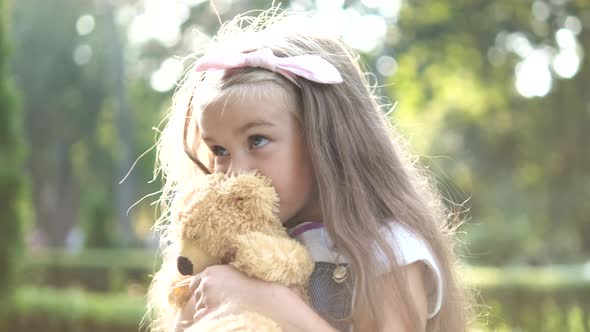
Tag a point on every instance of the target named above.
point(353, 149)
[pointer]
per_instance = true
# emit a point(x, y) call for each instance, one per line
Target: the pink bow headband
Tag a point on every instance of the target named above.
point(311, 67)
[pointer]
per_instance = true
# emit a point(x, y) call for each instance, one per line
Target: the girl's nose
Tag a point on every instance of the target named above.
point(238, 165)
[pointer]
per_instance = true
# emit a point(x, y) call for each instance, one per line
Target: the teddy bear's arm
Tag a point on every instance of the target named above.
point(273, 259)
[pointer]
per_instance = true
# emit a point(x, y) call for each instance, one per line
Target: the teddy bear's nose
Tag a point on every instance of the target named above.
point(184, 265)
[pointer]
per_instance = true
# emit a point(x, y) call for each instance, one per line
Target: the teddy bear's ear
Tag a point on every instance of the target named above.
point(194, 190)
point(189, 191)
point(255, 190)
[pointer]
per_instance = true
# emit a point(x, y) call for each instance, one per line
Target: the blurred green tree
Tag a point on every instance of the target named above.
point(12, 177)
point(521, 161)
point(57, 112)
point(64, 67)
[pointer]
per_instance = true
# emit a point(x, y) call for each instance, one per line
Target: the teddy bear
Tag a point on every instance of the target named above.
point(232, 220)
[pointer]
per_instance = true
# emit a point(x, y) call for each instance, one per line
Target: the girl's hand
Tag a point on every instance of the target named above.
point(184, 318)
point(216, 286)
point(222, 286)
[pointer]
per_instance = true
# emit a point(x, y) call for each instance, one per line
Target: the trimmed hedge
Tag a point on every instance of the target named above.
point(528, 277)
point(550, 298)
point(43, 309)
point(46, 309)
point(93, 269)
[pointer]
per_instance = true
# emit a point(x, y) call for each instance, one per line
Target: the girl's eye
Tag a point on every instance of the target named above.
point(258, 141)
point(218, 151)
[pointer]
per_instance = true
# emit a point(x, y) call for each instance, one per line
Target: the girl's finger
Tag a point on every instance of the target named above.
point(200, 299)
point(199, 314)
point(195, 282)
point(183, 282)
point(184, 318)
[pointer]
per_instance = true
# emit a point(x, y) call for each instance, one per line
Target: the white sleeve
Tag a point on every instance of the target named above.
point(410, 248)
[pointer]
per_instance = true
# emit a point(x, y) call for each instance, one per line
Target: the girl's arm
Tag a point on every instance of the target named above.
point(393, 321)
point(220, 284)
point(292, 313)
point(297, 316)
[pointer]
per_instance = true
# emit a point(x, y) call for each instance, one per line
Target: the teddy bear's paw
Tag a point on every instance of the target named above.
point(243, 322)
point(273, 259)
point(179, 293)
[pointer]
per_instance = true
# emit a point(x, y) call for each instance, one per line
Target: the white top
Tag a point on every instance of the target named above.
point(407, 246)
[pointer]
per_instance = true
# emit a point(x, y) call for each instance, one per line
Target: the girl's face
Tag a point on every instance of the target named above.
point(261, 133)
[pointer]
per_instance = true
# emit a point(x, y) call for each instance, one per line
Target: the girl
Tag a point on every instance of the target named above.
point(294, 105)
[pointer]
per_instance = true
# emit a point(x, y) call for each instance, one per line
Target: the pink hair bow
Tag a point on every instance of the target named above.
point(311, 67)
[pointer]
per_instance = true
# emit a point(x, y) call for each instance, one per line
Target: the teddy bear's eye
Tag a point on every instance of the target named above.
point(184, 265)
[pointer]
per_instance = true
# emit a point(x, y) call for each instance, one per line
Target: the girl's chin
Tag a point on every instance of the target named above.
point(290, 223)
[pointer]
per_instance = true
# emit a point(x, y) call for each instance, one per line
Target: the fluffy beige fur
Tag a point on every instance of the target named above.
point(233, 220)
